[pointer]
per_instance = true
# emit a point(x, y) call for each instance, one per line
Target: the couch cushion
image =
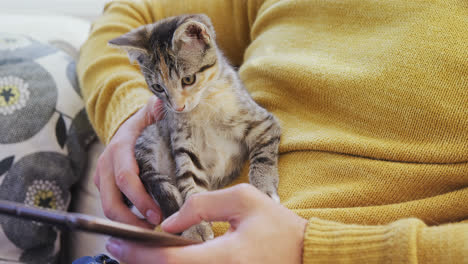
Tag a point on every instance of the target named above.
point(44, 135)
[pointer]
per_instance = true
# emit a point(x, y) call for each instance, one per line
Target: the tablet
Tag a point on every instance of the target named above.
point(88, 223)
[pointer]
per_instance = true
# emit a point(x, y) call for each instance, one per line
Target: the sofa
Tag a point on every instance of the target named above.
point(61, 26)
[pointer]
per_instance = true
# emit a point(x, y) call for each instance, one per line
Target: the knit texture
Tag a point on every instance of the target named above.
point(372, 97)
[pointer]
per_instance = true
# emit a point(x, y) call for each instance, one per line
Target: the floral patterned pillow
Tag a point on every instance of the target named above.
point(44, 135)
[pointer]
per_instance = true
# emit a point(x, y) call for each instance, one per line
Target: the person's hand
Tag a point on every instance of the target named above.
point(117, 171)
point(262, 231)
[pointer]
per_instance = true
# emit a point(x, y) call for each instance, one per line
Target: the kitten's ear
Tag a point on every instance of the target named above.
point(195, 34)
point(134, 42)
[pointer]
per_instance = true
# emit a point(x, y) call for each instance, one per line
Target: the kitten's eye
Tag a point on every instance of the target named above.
point(188, 80)
point(158, 88)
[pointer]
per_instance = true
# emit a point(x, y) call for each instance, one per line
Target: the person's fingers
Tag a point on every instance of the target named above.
point(154, 110)
point(125, 166)
point(209, 252)
point(142, 118)
point(150, 113)
point(117, 171)
point(131, 253)
point(230, 204)
point(113, 206)
point(126, 178)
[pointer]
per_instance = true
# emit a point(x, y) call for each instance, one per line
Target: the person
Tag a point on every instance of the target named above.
point(372, 97)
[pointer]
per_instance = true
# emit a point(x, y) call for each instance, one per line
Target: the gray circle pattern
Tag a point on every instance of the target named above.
point(47, 166)
point(24, 123)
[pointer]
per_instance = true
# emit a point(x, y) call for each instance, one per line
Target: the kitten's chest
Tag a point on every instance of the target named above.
point(219, 149)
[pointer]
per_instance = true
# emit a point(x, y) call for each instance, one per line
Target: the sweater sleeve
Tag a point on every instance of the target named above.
point(113, 89)
point(403, 241)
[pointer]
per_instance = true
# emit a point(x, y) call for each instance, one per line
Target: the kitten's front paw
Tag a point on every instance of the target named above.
point(274, 196)
point(271, 192)
point(200, 232)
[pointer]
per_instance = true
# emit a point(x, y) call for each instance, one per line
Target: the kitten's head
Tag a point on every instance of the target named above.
point(177, 56)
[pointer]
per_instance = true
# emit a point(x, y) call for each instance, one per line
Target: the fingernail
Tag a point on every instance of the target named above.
point(169, 220)
point(114, 247)
point(153, 217)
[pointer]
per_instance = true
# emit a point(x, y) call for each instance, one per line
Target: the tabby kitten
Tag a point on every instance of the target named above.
point(211, 125)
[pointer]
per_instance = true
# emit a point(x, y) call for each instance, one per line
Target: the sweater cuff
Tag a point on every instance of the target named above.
point(332, 242)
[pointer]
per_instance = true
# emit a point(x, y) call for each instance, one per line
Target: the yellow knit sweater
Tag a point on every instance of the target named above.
point(373, 102)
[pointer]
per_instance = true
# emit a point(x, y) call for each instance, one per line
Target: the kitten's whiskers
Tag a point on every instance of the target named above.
point(143, 66)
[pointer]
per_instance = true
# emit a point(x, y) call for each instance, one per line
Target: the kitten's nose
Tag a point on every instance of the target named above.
point(180, 109)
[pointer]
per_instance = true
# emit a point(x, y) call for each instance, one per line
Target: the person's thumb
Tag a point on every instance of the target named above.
point(231, 205)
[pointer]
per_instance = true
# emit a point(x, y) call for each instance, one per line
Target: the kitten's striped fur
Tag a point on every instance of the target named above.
point(210, 128)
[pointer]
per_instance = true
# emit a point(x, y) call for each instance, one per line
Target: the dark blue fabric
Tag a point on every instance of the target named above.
point(85, 260)
point(98, 259)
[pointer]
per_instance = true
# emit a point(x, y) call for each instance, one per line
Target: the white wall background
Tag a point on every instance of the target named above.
point(85, 9)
